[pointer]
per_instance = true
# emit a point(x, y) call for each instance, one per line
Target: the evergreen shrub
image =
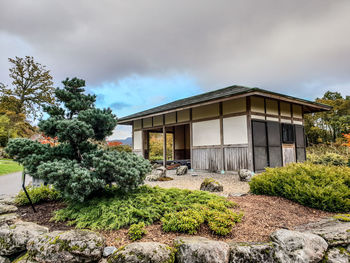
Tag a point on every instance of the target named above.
point(317, 186)
point(75, 166)
point(328, 159)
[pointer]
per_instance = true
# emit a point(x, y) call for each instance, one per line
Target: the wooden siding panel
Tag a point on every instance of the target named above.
point(183, 115)
point(236, 158)
point(257, 104)
point(207, 111)
point(234, 106)
point(297, 111)
point(285, 109)
point(158, 120)
point(147, 123)
point(137, 125)
point(207, 159)
point(272, 107)
point(170, 118)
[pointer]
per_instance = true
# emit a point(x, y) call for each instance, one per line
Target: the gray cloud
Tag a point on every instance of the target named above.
point(296, 47)
point(119, 105)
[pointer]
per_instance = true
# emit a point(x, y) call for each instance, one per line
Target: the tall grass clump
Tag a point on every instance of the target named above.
point(318, 186)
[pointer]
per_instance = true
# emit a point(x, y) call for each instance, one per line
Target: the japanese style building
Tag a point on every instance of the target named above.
point(228, 129)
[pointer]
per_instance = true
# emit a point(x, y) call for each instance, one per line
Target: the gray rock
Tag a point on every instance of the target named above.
point(199, 249)
point(337, 255)
point(5, 209)
point(182, 170)
point(156, 174)
point(211, 185)
point(7, 219)
point(251, 252)
point(4, 260)
point(293, 246)
point(14, 238)
point(335, 232)
point(107, 251)
point(24, 259)
point(245, 175)
point(237, 194)
point(7, 199)
point(143, 252)
point(69, 246)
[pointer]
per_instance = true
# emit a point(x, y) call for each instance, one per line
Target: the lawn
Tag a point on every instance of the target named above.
point(8, 166)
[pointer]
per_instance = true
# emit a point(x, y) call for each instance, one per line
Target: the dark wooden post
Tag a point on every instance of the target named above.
point(164, 146)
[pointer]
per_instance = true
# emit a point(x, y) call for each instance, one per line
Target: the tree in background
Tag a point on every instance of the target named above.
point(32, 87)
point(76, 166)
point(156, 146)
point(330, 125)
point(31, 90)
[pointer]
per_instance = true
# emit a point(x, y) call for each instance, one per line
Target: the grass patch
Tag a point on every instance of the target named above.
point(8, 166)
point(149, 204)
point(317, 186)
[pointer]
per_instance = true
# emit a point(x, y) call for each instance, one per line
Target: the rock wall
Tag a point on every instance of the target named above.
point(324, 241)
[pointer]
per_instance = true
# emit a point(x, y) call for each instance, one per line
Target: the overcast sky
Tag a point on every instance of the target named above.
point(137, 54)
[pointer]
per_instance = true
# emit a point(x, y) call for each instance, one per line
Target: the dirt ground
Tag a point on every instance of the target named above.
point(262, 215)
point(193, 180)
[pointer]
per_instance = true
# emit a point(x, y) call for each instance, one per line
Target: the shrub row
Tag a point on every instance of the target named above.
point(317, 186)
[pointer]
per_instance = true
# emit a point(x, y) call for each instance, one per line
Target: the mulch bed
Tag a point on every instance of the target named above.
point(262, 216)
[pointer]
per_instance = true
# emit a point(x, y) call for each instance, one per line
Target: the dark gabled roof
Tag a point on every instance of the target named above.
point(214, 95)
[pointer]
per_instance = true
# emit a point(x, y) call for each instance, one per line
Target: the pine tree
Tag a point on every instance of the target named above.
point(76, 166)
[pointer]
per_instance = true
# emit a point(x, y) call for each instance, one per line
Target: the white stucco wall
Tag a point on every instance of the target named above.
point(235, 130)
point(206, 133)
point(137, 140)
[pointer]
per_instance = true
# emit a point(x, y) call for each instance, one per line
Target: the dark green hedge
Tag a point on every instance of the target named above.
point(316, 186)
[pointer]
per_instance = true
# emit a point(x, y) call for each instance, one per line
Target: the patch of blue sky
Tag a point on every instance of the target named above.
point(136, 93)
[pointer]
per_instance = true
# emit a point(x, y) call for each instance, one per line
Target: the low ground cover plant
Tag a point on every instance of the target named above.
point(318, 186)
point(137, 231)
point(179, 210)
point(43, 193)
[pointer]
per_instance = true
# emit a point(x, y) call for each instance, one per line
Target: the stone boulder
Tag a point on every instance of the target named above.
point(335, 232)
point(211, 185)
point(199, 249)
point(107, 251)
point(7, 219)
point(143, 252)
point(156, 174)
point(14, 238)
point(337, 255)
point(251, 252)
point(69, 246)
point(24, 259)
point(245, 175)
point(5, 209)
point(4, 260)
point(181, 170)
point(293, 246)
point(7, 199)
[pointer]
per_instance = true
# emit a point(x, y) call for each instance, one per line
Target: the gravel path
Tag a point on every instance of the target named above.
point(231, 182)
point(10, 184)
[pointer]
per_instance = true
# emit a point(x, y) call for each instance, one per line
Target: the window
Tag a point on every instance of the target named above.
point(288, 133)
